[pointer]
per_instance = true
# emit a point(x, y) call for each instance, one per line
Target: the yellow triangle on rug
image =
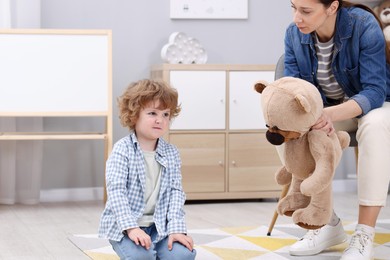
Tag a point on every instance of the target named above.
point(101, 256)
point(270, 243)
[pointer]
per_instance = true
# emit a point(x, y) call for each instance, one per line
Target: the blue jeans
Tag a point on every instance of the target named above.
point(126, 249)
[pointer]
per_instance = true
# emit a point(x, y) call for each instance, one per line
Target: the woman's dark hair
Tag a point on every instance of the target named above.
point(342, 3)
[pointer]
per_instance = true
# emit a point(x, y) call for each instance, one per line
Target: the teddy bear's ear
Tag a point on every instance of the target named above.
point(303, 102)
point(260, 86)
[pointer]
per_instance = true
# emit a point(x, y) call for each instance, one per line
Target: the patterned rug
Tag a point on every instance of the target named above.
point(239, 243)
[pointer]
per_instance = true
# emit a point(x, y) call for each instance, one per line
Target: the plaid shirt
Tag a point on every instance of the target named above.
point(125, 183)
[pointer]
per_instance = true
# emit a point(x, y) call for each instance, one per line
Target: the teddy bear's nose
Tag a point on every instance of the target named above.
point(274, 138)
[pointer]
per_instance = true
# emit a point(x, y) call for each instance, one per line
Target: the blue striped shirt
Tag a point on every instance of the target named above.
point(125, 184)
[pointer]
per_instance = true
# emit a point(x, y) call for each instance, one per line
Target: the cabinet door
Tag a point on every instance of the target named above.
point(252, 163)
point(244, 103)
point(202, 96)
point(203, 161)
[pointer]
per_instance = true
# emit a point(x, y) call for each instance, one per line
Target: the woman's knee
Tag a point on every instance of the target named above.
point(374, 125)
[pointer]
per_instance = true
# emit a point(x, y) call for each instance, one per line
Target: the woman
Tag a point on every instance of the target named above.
point(340, 48)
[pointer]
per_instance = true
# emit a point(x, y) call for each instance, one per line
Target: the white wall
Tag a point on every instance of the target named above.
point(26, 13)
point(140, 29)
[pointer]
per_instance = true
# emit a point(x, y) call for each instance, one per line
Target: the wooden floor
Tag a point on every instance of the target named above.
point(41, 231)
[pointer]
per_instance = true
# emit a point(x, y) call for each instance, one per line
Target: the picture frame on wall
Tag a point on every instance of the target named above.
point(209, 9)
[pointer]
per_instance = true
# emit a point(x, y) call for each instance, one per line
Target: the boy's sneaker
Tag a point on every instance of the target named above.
point(360, 247)
point(315, 241)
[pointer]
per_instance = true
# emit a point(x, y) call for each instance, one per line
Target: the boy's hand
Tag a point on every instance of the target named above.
point(139, 237)
point(182, 239)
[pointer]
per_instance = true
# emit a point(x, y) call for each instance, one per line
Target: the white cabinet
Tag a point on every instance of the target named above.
point(203, 107)
point(244, 103)
point(220, 131)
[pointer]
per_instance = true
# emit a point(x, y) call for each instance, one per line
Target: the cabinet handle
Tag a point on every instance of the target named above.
point(234, 163)
point(220, 163)
point(235, 101)
point(222, 101)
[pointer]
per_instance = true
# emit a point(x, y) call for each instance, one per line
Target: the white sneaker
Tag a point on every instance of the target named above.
point(360, 247)
point(315, 241)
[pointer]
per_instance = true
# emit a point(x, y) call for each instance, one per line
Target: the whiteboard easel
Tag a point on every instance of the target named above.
point(56, 73)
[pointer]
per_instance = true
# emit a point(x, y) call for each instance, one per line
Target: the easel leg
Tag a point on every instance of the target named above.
point(275, 217)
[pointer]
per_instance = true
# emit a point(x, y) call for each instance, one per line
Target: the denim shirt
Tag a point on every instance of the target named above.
point(359, 58)
point(125, 182)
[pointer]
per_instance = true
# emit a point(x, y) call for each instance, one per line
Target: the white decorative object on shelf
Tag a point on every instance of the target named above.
point(182, 49)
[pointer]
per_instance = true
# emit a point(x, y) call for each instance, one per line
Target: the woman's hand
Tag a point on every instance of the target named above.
point(346, 110)
point(324, 123)
point(182, 239)
point(139, 237)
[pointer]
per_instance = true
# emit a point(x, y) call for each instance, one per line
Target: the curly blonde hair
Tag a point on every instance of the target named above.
point(138, 94)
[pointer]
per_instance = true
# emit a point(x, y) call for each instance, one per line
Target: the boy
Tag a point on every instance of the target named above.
point(144, 215)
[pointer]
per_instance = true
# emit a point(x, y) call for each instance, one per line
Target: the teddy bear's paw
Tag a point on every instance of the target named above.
point(285, 212)
point(283, 177)
point(292, 202)
point(311, 217)
point(307, 226)
point(282, 181)
point(284, 208)
point(295, 200)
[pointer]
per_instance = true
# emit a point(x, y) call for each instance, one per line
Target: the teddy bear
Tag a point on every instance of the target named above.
point(291, 106)
point(383, 13)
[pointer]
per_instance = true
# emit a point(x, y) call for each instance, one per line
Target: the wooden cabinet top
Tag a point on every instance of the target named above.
point(224, 67)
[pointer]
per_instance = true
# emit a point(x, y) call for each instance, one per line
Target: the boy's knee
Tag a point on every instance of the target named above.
point(178, 252)
point(140, 254)
point(182, 253)
point(128, 250)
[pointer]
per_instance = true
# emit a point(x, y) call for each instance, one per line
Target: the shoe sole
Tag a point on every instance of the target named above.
point(336, 241)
